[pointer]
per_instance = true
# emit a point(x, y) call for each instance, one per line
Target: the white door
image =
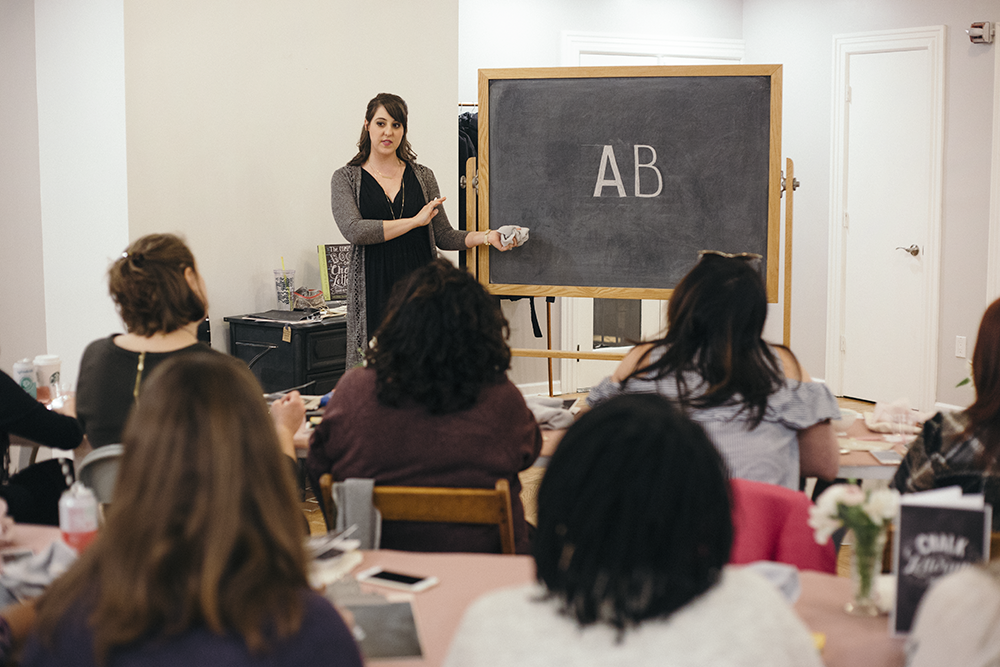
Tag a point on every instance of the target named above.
point(891, 211)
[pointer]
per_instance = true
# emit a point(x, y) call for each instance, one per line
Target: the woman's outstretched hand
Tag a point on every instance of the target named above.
point(428, 212)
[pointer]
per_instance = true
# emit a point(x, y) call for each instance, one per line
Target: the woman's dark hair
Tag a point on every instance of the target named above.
point(205, 528)
point(715, 321)
point(396, 108)
point(442, 340)
point(633, 513)
point(148, 285)
point(984, 413)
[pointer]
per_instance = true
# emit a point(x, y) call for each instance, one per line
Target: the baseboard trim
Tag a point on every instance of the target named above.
point(540, 388)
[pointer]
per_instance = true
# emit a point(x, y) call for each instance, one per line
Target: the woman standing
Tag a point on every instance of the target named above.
point(758, 406)
point(389, 208)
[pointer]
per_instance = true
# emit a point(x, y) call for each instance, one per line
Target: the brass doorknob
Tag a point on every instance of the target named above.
point(913, 249)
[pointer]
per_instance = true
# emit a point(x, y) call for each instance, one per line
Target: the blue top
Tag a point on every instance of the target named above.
point(323, 639)
point(768, 453)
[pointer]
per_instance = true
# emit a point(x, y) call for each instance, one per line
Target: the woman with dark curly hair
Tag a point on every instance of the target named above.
point(634, 534)
point(433, 407)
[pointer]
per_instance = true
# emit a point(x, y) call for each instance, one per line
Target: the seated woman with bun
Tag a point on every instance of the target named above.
point(634, 533)
point(162, 299)
point(201, 560)
point(433, 407)
point(759, 407)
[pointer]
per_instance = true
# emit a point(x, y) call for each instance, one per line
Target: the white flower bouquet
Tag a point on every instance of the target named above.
point(866, 515)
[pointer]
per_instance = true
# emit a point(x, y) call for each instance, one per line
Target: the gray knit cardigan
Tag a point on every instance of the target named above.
point(345, 191)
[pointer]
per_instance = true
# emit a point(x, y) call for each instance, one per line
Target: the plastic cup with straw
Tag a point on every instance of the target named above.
point(288, 290)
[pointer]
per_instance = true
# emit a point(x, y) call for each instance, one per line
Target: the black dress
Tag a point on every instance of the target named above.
point(387, 262)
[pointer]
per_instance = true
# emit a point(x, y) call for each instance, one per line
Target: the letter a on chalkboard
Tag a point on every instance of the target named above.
point(608, 157)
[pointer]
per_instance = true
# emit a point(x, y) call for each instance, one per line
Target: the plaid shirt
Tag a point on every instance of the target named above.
point(943, 456)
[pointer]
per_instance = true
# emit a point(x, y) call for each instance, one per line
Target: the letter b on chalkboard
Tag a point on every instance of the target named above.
point(608, 161)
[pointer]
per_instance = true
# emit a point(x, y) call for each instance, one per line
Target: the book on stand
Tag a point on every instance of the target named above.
point(334, 262)
point(937, 532)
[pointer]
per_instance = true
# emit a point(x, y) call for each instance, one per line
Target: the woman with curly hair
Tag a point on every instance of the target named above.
point(433, 407)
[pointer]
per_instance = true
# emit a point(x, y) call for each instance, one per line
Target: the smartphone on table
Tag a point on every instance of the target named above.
point(410, 583)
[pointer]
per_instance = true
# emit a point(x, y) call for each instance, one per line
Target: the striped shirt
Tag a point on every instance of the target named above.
point(768, 453)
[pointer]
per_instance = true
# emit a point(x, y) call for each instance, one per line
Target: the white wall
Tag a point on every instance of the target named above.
point(22, 297)
point(71, 188)
point(239, 111)
point(800, 36)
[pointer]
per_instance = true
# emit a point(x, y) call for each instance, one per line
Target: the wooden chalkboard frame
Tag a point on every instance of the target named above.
point(486, 76)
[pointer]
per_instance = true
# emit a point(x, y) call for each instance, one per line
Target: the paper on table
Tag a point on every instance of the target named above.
point(858, 445)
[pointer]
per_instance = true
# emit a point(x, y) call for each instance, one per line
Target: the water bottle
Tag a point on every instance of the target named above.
point(24, 375)
point(78, 516)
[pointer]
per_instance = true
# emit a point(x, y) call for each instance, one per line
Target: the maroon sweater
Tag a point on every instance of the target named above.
point(407, 446)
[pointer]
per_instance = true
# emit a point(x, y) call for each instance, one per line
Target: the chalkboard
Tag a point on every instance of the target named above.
point(623, 174)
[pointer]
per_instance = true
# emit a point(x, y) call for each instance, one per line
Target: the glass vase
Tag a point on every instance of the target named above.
point(866, 565)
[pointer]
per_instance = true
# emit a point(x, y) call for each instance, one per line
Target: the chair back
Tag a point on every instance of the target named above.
point(438, 505)
point(99, 469)
point(770, 523)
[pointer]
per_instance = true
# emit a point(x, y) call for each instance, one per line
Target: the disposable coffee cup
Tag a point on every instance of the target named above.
point(284, 285)
point(47, 376)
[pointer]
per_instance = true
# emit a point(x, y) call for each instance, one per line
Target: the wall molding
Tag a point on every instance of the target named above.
point(575, 44)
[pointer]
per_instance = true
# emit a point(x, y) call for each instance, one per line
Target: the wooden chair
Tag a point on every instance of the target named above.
point(438, 505)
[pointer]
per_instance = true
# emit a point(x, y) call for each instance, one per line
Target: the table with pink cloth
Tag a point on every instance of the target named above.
point(850, 641)
point(29, 536)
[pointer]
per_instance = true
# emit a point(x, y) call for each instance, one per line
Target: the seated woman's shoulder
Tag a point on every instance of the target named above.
point(637, 357)
point(790, 364)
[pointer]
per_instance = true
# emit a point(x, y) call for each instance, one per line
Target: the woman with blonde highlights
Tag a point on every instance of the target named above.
point(201, 561)
point(162, 299)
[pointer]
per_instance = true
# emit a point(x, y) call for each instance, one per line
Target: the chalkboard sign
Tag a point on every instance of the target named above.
point(623, 174)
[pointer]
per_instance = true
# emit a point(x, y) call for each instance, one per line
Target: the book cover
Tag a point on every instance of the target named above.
point(334, 260)
point(933, 539)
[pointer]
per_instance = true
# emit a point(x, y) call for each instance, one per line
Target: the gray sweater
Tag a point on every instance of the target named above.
point(345, 191)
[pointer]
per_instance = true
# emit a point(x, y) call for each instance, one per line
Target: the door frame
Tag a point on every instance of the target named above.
point(575, 44)
point(993, 252)
point(933, 40)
